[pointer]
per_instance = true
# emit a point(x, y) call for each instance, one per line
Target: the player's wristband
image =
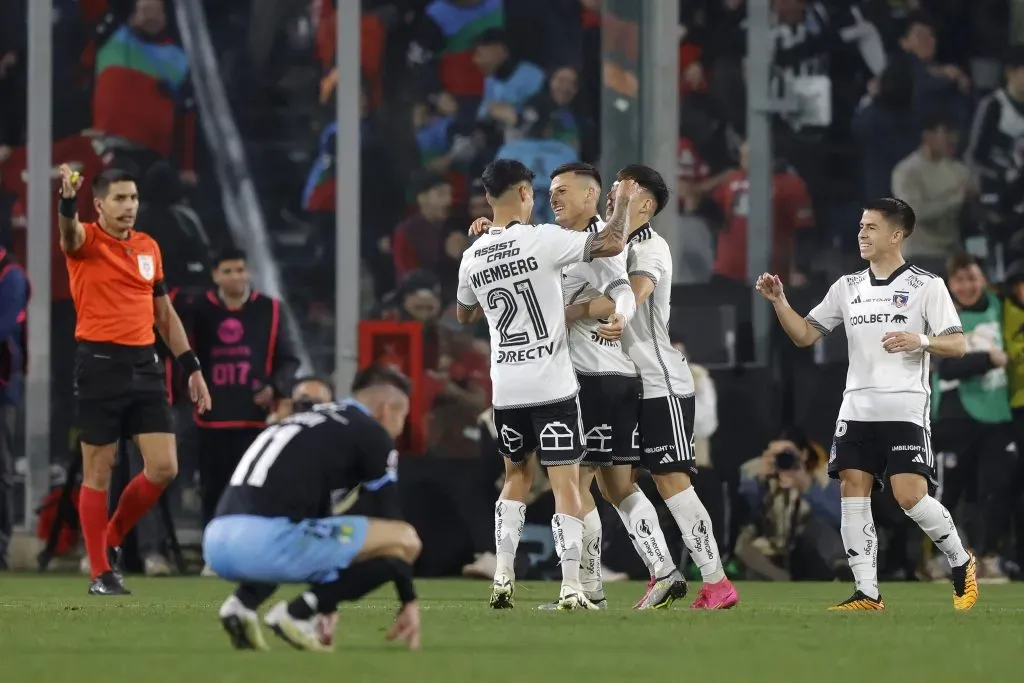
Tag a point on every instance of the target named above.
point(189, 362)
point(66, 207)
point(925, 343)
point(403, 580)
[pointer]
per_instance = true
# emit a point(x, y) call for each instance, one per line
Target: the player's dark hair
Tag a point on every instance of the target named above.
point(894, 211)
point(228, 254)
point(650, 180)
point(579, 168)
point(501, 175)
point(101, 183)
point(933, 122)
point(380, 376)
point(961, 261)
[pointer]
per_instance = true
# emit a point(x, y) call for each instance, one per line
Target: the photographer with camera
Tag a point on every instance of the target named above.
point(793, 530)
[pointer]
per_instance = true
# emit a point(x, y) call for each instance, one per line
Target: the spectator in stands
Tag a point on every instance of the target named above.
point(884, 128)
point(14, 295)
point(793, 532)
point(184, 244)
point(508, 83)
point(418, 241)
point(555, 114)
point(791, 213)
point(418, 298)
point(718, 67)
point(699, 216)
point(143, 95)
point(478, 206)
point(993, 150)
point(441, 149)
point(936, 184)
point(939, 89)
point(441, 54)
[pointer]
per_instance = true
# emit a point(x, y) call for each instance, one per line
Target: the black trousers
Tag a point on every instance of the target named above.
point(219, 453)
point(977, 464)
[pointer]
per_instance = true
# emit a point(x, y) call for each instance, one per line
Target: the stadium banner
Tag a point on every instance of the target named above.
point(399, 344)
point(621, 143)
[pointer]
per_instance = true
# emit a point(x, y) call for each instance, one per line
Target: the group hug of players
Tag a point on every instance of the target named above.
point(584, 376)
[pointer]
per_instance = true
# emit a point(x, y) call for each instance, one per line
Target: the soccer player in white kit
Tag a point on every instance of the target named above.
point(512, 275)
point(896, 316)
point(668, 403)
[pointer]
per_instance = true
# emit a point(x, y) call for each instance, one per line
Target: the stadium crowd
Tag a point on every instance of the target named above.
point(924, 99)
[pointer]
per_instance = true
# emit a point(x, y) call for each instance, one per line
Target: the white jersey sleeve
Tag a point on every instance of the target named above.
point(940, 314)
point(465, 296)
point(565, 247)
point(651, 263)
point(828, 314)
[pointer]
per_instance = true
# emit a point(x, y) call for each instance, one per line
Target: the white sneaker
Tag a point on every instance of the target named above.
point(483, 567)
point(989, 571)
point(570, 598)
point(242, 625)
point(208, 572)
point(503, 592)
point(156, 565)
point(83, 565)
point(299, 633)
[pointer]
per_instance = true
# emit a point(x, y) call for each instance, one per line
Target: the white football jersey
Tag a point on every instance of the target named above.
point(582, 282)
point(515, 274)
point(883, 386)
point(663, 370)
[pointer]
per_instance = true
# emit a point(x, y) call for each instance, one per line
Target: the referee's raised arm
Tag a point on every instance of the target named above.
point(72, 234)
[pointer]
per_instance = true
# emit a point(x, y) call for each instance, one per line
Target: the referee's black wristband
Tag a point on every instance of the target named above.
point(66, 207)
point(403, 580)
point(189, 362)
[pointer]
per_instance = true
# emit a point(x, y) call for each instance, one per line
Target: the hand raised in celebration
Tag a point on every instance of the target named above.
point(770, 287)
point(70, 182)
point(627, 189)
point(901, 342)
point(479, 226)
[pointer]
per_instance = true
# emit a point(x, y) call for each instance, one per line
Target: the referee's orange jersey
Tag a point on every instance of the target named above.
point(113, 283)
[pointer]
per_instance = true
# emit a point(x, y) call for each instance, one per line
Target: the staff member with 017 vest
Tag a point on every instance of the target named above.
point(117, 284)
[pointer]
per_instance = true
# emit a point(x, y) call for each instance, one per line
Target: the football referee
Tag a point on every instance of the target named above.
point(117, 284)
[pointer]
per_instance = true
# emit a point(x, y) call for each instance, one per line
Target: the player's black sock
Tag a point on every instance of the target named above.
point(351, 584)
point(252, 595)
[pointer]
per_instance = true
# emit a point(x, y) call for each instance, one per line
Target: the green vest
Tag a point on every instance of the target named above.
point(985, 397)
point(1013, 341)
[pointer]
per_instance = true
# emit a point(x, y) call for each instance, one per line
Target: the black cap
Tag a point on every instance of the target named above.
point(1014, 56)
point(1015, 273)
point(417, 280)
point(492, 36)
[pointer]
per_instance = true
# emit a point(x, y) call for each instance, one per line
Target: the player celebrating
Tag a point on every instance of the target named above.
point(275, 523)
point(609, 386)
point(512, 274)
point(117, 283)
point(895, 316)
point(667, 408)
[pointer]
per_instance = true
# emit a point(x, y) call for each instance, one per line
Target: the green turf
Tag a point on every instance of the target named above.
point(51, 632)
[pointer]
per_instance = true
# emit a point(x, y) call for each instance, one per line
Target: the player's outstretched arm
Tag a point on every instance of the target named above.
point(72, 234)
point(798, 328)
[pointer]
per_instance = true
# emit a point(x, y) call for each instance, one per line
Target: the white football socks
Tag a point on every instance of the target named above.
point(590, 566)
point(509, 517)
point(695, 524)
point(858, 531)
point(641, 522)
point(935, 521)
point(568, 534)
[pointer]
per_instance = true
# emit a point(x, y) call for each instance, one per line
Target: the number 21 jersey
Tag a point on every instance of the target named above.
point(514, 274)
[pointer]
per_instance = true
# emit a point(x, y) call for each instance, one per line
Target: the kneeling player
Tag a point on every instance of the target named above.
point(277, 523)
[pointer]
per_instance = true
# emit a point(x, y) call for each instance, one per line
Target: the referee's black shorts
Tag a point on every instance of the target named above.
point(120, 392)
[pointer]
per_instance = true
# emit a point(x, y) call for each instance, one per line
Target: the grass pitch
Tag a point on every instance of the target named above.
point(51, 632)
